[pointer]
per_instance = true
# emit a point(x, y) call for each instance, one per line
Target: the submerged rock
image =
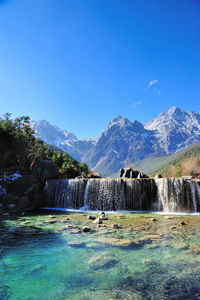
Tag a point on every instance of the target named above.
point(195, 249)
point(76, 244)
point(116, 242)
point(75, 231)
point(67, 227)
point(27, 230)
point(102, 262)
point(151, 237)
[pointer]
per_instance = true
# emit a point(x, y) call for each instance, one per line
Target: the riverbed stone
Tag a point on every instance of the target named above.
point(115, 226)
point(168, 217)
point(75, 231)
point(173, 227)
point(64, 220)
point(195, 248)
point(76, 244)
point(50, 221)
point(102, 261)
point(182, 223)
point(98, 221)
point(65, 227)
point(103, 218)
point(30, 230)
point(119, 216)
point(102, 213)
point(86, 229)
point(116, 242)
point(150, 237)
point(91, 217)
point(102, 225)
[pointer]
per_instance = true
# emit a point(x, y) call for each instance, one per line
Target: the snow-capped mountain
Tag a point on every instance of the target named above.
point(50, 133)
point(175, 129)
point(63, 139)
point(124, 142)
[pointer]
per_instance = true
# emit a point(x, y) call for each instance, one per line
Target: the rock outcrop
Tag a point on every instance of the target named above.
point(23, 192)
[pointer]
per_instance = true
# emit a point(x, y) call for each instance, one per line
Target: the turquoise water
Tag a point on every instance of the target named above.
point(48, 257)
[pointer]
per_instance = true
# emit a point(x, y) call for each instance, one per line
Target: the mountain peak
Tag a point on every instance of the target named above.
point(173, 110)
point(116, 119)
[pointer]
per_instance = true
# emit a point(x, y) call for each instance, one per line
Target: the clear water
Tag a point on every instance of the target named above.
point(43, 259)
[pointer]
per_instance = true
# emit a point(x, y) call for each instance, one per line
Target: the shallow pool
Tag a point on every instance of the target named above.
point(48, 256)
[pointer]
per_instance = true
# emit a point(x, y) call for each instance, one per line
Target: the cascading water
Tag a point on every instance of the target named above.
point(163, 194)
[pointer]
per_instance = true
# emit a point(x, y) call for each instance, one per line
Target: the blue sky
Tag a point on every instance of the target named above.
point(79, 63)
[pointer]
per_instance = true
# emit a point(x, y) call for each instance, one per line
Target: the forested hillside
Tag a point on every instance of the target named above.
point(19, 148)
point(184, 162)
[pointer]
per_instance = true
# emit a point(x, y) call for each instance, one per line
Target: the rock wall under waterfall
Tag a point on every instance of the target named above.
point(163, 194)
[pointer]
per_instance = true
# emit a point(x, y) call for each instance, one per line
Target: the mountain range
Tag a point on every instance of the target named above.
point(124, 142)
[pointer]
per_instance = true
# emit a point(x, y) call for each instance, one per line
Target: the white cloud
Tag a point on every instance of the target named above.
point(152, 82)
point(135, 104)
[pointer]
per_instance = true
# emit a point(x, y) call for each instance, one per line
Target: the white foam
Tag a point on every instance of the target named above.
point(121, 211)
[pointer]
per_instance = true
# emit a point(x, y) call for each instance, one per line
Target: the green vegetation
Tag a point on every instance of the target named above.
point(19, 147)
point(183, 162)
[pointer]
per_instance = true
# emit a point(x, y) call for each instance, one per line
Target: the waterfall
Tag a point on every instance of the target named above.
point(197, 183)
point(193, 191)
point(64, 193)
point(162, 194)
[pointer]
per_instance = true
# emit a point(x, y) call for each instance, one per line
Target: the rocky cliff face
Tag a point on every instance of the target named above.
point(124, 142)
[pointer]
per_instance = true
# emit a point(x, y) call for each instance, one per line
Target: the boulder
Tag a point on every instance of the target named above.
point(45, 169)
point(115, 226)
point(158, 176)
point(86, 229)
point(34, 194)
point(182, 223)
point(91, 217)
point(128, 173)
point(142, 175)
point(98, 221)
point(94, 175)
